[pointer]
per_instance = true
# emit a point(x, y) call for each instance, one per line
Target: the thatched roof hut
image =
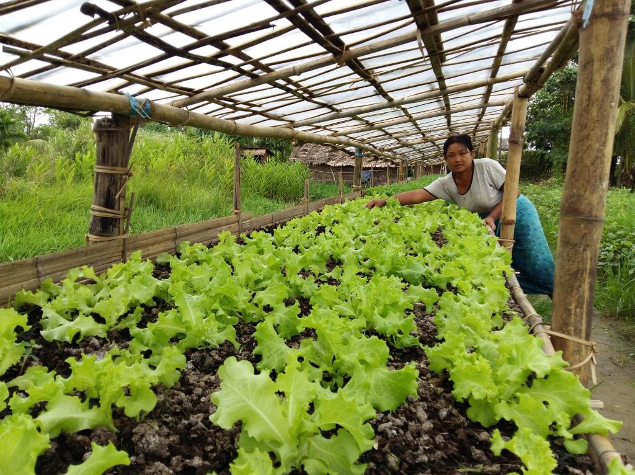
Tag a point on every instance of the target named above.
point(315, 155)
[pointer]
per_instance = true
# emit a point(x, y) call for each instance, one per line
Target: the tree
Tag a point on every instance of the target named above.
point(625, 123)
point(549, 117)
point(10, 130)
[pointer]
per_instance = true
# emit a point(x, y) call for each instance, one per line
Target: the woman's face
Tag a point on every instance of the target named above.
point(459, 158)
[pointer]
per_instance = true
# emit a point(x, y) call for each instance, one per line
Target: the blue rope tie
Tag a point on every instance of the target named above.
point(139, 108)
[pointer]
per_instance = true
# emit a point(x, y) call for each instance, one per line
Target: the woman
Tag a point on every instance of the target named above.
point(477, 185)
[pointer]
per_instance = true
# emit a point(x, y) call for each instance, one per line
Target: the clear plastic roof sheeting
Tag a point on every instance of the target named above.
point(328, 67)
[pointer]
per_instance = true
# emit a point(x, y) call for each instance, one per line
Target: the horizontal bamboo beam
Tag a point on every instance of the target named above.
point(477, 18)
point(25, 91)
point(411, 99)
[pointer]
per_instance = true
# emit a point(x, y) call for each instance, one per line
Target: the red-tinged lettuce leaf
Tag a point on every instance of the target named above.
point(68, 414)
point(532, 449)
point(336, 455)
point(100, 460)
point(21, 441)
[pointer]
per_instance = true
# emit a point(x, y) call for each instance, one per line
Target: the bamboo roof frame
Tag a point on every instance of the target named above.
point(346, 83)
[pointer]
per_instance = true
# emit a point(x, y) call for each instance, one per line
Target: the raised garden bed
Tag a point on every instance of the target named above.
point(427, 432)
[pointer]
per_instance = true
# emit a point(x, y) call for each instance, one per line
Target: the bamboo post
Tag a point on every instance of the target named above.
point(372, 176)
point(388, 170)
point(516, 140)
point(357, 172)
point(400, 173)
point(492, 144)
point(237, 198)
point(307, 194)
point(107, 212)
point(500, 141)
point(340, 185)
point(583, 201)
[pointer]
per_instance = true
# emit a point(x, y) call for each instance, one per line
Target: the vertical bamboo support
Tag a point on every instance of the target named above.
point(400, 173)
point(340, 185)
point(492, 144)
point(372, 176)
point(500, 142)
point(307, 194)
point(388, 170)
point(237, 198)
point(583, 201)
point(108, 206)
point(516, 140)
point(357, 174)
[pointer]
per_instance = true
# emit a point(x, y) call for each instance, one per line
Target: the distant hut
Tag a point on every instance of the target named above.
point(325, 163)
point(261, 155)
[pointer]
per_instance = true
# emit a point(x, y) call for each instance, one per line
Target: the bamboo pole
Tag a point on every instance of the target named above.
point(583, 201)
point(111, 170)
point(492, 144)
point(237, 197)
point(357, 174)
point(25, 91)
point(340, 184)
point(510, 195)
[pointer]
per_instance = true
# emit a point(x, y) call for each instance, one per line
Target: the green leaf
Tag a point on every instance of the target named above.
point(532, 449)
point(336, 455)
point(527, 412)
point(576, 446)
point(68, 414)
point(271, 347)
point(251, 399)
point(252, 463)
point(21, 442)
point(594, 423)
point(100, 460)
point(616, 467)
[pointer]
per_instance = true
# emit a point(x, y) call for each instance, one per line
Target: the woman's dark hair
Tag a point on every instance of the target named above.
point(463, 139)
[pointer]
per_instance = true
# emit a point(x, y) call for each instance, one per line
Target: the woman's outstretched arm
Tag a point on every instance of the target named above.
point(406, 198)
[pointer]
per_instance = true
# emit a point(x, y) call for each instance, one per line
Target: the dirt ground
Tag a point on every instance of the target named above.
point(616, 382)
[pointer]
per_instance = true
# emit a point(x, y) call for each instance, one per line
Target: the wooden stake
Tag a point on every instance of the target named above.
point(237, 198)
point(108, 206)
point(357, 175)
point(492, 144)
point(516, 140)
point(586, 183)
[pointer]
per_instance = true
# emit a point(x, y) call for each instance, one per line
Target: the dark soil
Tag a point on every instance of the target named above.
point(430, 434)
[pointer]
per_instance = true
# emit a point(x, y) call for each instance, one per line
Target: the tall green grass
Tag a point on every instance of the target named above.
point(46, 186)
point(615, 285)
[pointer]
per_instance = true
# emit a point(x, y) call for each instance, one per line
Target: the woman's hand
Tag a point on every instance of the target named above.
point(376, 203)
point(490, 223)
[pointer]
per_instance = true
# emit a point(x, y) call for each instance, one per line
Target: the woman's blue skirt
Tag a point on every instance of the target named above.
point(531, 256)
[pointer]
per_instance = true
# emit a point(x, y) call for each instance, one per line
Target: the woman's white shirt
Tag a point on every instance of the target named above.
point(488, 176)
